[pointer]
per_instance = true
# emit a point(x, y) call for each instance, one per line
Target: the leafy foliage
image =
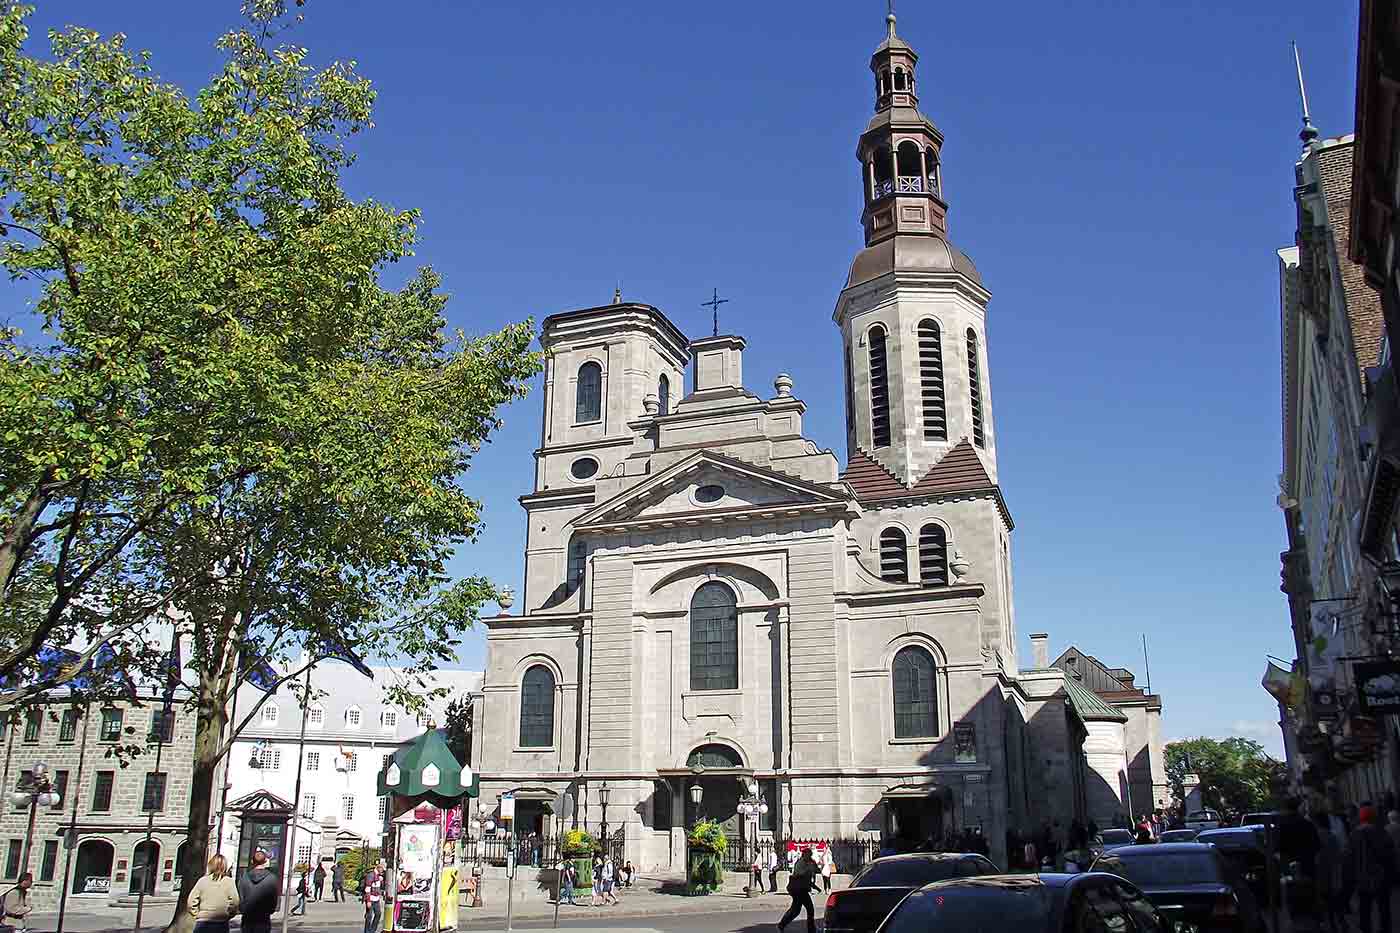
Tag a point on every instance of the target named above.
point(226, 421)
point(356, 867)
point(708, 836)
point(1236, 775)
point(579, 842)
point(458, 726)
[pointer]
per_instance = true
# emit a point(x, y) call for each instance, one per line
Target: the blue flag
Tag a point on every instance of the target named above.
point(261, 674)
point(332, 648)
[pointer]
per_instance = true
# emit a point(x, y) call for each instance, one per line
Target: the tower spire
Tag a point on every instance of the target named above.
point(889, 17)
point(1309, 132)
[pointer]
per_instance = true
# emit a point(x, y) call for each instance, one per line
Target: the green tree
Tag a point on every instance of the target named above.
point(1236, 775)
point(227, 419)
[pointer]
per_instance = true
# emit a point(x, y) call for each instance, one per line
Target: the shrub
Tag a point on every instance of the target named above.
point(708, 836)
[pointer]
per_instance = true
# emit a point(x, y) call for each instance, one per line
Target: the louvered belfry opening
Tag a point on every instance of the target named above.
point(931, 382)
point(974, 390)
point(933, 556)
point(879, 390)
point(894, 561)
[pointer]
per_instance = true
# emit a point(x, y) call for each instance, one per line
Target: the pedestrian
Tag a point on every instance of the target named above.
point(1392, 829)
point(1332, 895)
point(1144, 836)
point(258, 895)
point(337, 882)
point(1370, 868)
point(16, 903)
point(319, 879)
point(566, 882)
point(756, 873)
point(773, 870)
point(299, 909)
point(828, 869)
point(597, 896)
point(630, 872)
point(610, 883)
point(374, 897)
point(214, 898)
point(800, 886)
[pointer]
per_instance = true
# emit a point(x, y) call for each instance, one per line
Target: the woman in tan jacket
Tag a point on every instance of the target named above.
point(214, 899)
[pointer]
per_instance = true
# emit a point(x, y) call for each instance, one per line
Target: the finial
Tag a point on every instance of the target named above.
point(889, 17)
point(617, 294)
point(1309, 132)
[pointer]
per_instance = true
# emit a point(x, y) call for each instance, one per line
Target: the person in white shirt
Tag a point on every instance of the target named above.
point(773, 871)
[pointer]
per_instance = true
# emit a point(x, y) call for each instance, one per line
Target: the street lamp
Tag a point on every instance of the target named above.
point(484, 824)
point(603, 793)
point(697, 793)
point(751, 807)
point(36, 790)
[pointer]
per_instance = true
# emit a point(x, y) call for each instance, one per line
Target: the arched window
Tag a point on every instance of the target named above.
point(935, 185)
point(578, 564)
point(915, 696)
point(933, 555)
point(714, 638)
point(894, 562)
point(850, 389)
point(537, 708)
point(879, 389)
point(663, 395)
point(899, 79)
point(589, 393)
point(931, 382)
point(910, 171)
point(884, 174)
point(974, 389)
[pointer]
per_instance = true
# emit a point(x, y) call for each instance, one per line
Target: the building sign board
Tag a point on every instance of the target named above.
point(1377, 687)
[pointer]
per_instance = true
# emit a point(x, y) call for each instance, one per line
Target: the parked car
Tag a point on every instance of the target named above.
point(884, 883)
point(1113, 838)
point(1179, 835)
point(1266, 818)
point(1243, 849)
point(1191, 883)
point(1203, 819)
point(1048, 903)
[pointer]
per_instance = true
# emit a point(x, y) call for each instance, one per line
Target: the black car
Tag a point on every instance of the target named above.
point(1179, 835)
point(1243, 849)
point(1113, 838)
point(1191, 883)
point(1085, 903)
point(884, 883)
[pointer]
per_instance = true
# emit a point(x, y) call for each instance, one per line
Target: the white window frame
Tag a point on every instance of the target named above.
point(313, 761)
point(389, 719)
point(347, 807)
point(353, 717)
point(352, 761)
point(316, 716)
point(383, 809)
point(270, 714)
point(269, 759)
point(308, 806)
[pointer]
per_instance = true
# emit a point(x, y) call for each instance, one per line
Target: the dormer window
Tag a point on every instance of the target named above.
point(316, 716)
point(270, 714)
point(352, 717)
point(389, 719)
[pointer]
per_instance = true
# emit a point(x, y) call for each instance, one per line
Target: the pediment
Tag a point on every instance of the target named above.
point(708, 487)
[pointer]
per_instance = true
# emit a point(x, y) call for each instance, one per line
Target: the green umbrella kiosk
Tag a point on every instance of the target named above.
point(426, 786)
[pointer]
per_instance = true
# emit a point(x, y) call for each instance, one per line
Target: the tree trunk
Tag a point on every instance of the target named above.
point(208, 739)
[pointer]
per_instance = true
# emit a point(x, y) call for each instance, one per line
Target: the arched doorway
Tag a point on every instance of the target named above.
point(92, 869)
point(720, 792)
point(145, 867)
point(180, 868)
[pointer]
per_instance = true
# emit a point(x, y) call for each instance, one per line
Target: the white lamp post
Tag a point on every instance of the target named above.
point(751, 807)
point(36, 790)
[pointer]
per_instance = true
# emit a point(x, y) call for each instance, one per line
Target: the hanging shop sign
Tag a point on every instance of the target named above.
point(1326, 704)
point(1377, 687)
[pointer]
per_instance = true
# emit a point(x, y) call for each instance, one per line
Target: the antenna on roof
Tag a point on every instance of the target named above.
point(1309, 132)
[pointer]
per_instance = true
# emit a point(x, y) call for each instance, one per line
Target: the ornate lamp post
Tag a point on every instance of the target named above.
point(484, 824)
point(35, 789)
point(603, 793)
point(751, 806)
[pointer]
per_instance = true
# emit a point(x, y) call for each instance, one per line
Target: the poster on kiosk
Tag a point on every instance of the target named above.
point(415, 883)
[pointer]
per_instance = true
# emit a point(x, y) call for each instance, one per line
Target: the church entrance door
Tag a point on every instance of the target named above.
point(912, 821)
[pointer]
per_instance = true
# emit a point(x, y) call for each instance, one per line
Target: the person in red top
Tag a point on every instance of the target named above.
point(374, 897)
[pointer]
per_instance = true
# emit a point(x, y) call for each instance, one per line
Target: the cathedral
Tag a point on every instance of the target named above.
point(716, 609)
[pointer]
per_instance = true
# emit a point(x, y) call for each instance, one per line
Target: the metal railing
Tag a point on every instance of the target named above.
point(531, 850)
point(850, 854)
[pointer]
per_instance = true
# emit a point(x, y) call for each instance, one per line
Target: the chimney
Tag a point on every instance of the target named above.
point(1040, 650)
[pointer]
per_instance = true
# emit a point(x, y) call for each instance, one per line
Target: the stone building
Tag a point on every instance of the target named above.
point(1331, 347)
point(712, 602)
point(121, 820)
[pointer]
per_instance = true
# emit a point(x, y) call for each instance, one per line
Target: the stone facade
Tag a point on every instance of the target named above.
point(711, 603)
point(96, 838)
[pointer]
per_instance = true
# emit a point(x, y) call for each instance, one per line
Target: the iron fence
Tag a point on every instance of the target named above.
point(532, 850)
point(850, 854)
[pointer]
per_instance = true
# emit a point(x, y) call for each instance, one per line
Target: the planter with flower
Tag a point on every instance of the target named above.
point(579, 847)
point(705, 846)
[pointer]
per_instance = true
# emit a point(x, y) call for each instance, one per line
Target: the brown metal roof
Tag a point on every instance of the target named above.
point(960, 470)
point(1334, 166)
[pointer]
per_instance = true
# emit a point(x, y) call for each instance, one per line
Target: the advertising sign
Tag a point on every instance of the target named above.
point(507, 807)
point(417, 888)
point(1377, 687)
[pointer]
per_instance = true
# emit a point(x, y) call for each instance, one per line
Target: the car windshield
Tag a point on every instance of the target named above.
point(906, 873)
point(1179, 835)
point(1203, 816)
point(1148, 869)
point(1113, 837)
point(1235, 839)
point(972, 909)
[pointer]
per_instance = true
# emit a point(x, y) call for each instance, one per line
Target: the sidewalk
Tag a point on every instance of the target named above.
point(649, 897)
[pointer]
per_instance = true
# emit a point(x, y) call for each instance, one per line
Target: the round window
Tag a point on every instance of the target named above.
point(584, 468)
point(709, 494)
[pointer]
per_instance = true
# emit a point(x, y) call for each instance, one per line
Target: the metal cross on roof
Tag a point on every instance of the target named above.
point(714, 304)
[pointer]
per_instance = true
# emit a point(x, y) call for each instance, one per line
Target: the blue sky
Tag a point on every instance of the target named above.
point(1120, 170)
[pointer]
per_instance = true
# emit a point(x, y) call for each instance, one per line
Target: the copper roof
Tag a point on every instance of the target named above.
point(1334, 168)
point(960, 470)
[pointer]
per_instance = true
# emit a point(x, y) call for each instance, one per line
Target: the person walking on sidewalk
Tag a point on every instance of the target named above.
point(257, 895)
point(800, 887)
point(773, 870)
point(300, 909)
point(214, 900)
point(1370, 865)
point(566, 885)
point(16, 904)
point(319, 881)
point(828, 869)
point(374, 897)
point(337, 882)
point(610, 883)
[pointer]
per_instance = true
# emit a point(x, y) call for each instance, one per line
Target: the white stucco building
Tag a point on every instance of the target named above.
point(712, 598)
point(350, 731)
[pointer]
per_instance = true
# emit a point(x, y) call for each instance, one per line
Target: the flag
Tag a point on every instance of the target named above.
point(173, 667)
point(333, 649)
point(260, 674)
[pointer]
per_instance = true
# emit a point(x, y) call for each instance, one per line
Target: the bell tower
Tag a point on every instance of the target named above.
point(913, 312)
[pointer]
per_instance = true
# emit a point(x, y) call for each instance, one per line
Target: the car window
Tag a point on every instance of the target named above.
point(970, 909)
point(1145, 916)
point(1080, 916)
point(972, 867)
point(1162, 869)
point(1112, 912)
point(1114, 837)
point(905, 873)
